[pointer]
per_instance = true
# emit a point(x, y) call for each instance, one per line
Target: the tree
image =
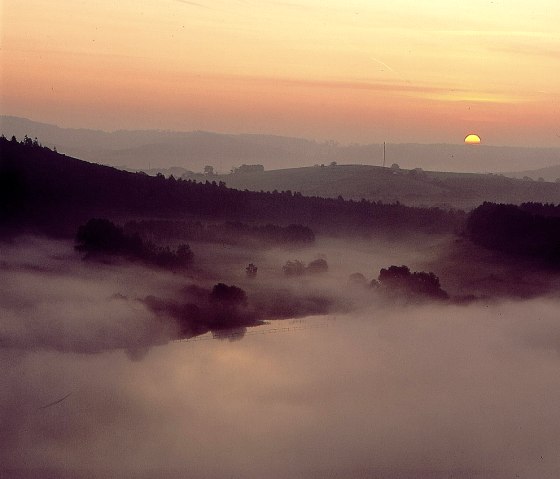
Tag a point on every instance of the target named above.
point(318, 266)
point(185, 254)
point(251, 270)
point(100, 235)
point(357, 279)
point(209, 170)
point(530, 231)
point(395, 166)
point(417, 173)
point(394, 275)
point(399, 279)
point(294, 268)
point(228, 295)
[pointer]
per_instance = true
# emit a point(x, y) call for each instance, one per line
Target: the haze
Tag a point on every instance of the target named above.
point(348, 71)
point(94, 388)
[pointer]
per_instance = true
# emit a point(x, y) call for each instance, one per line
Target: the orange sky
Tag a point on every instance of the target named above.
point(353, 71)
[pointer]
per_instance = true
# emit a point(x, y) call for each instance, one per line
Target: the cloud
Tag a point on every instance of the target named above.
point(193, 4)
point(527, 49)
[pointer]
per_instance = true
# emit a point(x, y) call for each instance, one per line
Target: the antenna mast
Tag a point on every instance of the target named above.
point(383, 154)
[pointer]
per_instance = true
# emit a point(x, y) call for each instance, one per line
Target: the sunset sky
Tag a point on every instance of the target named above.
point(351, 71)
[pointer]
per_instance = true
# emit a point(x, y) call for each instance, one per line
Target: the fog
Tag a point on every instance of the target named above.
point(53, 300)
point(94, 384)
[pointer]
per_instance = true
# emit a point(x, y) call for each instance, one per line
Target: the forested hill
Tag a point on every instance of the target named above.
point(41, 189)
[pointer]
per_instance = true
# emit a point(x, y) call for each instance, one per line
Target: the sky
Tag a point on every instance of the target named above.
point(351, 71)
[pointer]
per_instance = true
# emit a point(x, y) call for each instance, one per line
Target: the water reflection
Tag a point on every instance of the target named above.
point(423, 392)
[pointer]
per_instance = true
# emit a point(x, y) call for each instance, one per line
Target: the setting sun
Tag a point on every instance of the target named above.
point(472, 139)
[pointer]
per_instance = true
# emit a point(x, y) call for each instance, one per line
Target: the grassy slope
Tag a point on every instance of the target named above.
point(550, 173)
point(461, 190)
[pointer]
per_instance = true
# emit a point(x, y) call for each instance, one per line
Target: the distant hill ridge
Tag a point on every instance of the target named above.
point(550, 173)
point(193, 150)
point(411, 187)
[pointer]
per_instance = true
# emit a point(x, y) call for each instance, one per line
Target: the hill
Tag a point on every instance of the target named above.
point(45, 190)
point(550, 173)
point(193, 150)
point(411, 187)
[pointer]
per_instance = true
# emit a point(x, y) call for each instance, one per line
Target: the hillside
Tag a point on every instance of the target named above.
point(45, 190)
point(193, 150)
point(550, 173)
point(411, 187)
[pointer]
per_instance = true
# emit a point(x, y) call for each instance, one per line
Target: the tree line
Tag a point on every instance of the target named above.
point(228, 232)
point(531, 230)
point(99, 236)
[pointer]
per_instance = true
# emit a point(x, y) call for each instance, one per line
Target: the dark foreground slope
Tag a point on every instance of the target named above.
point(44, 190)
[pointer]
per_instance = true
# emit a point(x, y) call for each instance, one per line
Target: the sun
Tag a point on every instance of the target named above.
point(472, 139)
